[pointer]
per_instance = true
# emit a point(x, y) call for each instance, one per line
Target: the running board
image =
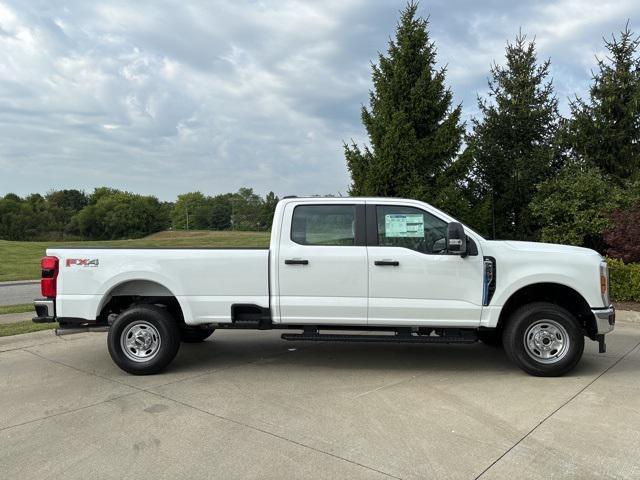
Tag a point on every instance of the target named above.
point(470, 337)
point(81, 329)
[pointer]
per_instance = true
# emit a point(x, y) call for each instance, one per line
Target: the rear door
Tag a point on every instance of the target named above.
point(322, 264)
point(412, 279)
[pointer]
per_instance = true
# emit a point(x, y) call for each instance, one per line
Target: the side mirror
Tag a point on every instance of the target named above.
point(456, 239)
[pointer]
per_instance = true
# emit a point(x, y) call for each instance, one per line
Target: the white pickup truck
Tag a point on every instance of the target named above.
point(359, 269)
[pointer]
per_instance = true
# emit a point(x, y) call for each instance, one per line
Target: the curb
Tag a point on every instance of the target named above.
point(16, 317)
point(630, 316)
point(16, 283)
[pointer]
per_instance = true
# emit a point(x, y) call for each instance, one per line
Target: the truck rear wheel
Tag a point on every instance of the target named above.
point(195, 335)
point(143, 340)
point(543, 339)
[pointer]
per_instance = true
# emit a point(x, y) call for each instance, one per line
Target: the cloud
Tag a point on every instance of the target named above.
point(168, 97)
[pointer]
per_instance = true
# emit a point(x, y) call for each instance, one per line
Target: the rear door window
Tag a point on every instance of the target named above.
point(324, 225)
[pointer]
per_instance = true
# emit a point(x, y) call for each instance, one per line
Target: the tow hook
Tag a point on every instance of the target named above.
point(602, 347)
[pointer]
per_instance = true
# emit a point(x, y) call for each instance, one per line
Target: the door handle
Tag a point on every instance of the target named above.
point(293, 261)
point(387, 263)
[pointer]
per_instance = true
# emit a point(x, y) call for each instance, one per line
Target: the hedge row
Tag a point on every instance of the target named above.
point(624, 279)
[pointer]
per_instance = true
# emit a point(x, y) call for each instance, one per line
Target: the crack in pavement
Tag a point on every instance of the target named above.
point(27, 422)
point(388, 385)
point(573, 397)
point(141, 389)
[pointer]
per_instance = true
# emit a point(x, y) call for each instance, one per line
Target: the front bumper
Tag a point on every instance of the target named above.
point(605, 319)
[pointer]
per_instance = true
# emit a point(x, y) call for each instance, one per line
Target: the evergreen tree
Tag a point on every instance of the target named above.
point(414, 133)
point(513, 143)
point(605, 132)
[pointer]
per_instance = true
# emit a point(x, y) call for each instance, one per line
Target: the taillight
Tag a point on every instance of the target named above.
point(49, 281)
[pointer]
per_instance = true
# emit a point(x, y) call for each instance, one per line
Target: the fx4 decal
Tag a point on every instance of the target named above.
point(82, 262)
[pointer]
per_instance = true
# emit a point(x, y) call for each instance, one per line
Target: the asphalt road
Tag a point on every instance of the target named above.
point(15, 293)
point(246, 404)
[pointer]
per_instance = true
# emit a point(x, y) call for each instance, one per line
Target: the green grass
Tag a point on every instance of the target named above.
point(28, 307)
point(21, 260)
point(27, 326)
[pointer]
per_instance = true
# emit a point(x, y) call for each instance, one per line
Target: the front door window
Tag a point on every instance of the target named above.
point(412, 228)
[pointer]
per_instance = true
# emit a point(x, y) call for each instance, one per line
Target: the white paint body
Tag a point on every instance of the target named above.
point(339, 286)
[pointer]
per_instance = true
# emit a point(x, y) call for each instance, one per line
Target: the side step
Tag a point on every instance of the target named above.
point(71, 330)
point(462, 337)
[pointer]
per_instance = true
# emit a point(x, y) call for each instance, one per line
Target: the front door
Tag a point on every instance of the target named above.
point(412, 279)
point(322, 264)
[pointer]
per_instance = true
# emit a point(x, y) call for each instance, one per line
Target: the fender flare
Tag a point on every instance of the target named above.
point(104, 292)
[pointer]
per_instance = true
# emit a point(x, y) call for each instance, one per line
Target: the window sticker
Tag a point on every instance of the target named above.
point(403, 226)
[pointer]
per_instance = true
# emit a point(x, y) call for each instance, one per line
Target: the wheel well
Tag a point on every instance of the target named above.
point(559, 294)
point(138, 292)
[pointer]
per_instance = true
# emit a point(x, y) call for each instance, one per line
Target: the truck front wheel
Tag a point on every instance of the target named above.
point(144, 339)
point(543, 339)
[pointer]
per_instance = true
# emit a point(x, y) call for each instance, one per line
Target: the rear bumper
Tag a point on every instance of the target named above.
point(605, 319)
point(45, 310)
point(46, 313)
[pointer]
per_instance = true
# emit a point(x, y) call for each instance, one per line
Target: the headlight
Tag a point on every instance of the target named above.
point(604, 283)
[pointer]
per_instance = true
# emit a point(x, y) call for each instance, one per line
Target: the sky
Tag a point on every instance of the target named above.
point(166, 97)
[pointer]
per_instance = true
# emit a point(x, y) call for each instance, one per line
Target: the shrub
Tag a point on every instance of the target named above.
point(623, 237)
point(574, 206)
point(624, 281)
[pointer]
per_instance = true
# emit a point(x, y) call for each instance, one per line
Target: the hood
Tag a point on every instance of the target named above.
point(548, 248)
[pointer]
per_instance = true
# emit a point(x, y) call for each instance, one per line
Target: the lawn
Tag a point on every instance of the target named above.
point(27, 326)
point(21, 260)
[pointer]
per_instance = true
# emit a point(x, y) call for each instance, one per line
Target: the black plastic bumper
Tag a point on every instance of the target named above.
point(45, 310)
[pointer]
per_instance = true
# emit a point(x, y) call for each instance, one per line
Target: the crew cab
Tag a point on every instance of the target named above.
point(339, 269)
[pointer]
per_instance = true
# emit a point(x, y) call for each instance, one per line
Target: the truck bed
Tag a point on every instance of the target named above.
point(205, 281)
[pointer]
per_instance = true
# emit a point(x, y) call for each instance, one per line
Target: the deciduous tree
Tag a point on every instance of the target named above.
point(623, 235)
point(574, 206)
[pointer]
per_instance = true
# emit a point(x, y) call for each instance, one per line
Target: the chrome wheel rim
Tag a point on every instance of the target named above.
point(140, 341)
point(546, 341)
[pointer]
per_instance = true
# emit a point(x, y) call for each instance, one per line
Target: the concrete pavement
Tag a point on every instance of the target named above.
point(248, 405)
point(16, 293)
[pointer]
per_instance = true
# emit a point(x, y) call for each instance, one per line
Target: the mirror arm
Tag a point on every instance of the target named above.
point(465, 254)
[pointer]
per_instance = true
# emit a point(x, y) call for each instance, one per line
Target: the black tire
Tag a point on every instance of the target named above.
point(195, 335)
point(491, 338)
point(549, 330)
point(138, 326)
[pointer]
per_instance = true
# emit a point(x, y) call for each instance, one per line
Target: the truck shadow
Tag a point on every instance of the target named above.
point(309, 356)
